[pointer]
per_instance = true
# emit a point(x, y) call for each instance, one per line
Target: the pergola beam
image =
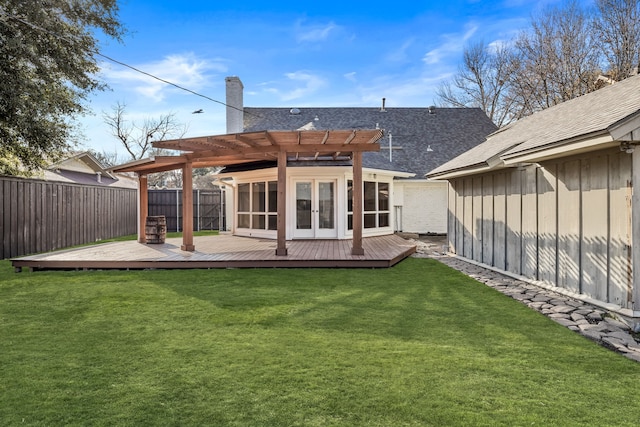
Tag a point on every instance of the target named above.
point(288, 148)
point(270, 138)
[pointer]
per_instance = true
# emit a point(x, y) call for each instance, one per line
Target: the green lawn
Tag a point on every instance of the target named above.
point(417, 344)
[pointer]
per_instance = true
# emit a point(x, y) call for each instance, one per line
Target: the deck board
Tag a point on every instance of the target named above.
point(224, 251)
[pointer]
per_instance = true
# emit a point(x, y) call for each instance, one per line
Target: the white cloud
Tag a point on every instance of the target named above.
point(414, 91)
point(304, 85)
point(185, 70)
point(299, 84)
point(453, 44)
point(400, 54)
point(350, 76)
point(314, 33)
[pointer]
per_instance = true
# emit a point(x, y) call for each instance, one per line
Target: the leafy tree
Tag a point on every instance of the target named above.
point(47, 69)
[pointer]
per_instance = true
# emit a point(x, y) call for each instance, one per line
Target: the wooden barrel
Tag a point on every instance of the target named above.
point(155, 229)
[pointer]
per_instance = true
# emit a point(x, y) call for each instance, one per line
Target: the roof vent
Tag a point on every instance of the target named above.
point(382, 110)
point(294, 111)
point(432, 109)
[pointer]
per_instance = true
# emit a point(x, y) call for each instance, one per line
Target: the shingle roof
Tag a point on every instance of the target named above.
point(448, 131)
point(88, 179)
point(580, 117)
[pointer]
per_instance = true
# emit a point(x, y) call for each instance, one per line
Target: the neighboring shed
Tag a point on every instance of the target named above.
point(415, 141)
point(550, 198)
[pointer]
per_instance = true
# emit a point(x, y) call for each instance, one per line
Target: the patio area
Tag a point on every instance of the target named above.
point(224, 251)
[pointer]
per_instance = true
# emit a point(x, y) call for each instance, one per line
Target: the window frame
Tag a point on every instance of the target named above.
point(260, 214)
point(377, 215)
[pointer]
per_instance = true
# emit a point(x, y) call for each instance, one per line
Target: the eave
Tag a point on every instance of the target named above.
point(461, 172)
point(579, 145)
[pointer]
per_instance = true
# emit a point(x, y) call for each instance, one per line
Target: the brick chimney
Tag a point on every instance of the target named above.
point(235, 105)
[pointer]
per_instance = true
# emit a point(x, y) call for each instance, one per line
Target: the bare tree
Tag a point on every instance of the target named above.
point(138, 139)
point(105, 158)
point(617, 27)
point(482, 81)
point(556, 60)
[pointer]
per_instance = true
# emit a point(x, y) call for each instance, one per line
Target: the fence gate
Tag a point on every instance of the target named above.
point(208, 208)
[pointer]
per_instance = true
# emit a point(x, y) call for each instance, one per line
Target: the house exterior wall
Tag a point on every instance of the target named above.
point(339, 174)
point(420, 206)
point(566, 223)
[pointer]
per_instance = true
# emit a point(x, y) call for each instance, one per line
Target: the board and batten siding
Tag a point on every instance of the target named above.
point(565, 222)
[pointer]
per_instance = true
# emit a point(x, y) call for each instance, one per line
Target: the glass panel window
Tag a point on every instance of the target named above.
point(243, 198)
point(273, 196)
point(326, 205)
point(254, 200)
point(273, 222)
point(369, 196)
point(258, 197)
point(303, 205)
point(258, 222)
point(383, 196)
point(383, 220)
point(244, 220)
point(370, 220)
point(376, 202)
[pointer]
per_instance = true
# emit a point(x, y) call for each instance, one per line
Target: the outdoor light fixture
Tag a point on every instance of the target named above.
point(627, 147)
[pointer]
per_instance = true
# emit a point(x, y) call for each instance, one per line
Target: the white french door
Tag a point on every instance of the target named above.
point(315, 209)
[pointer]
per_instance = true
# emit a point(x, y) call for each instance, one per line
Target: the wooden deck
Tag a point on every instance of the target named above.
point(224, 251)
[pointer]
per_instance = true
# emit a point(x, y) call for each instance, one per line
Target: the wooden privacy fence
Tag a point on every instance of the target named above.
point(208, 208)
point(39, 216)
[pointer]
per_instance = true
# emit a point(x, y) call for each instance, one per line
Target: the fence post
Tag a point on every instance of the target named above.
point(177, 210)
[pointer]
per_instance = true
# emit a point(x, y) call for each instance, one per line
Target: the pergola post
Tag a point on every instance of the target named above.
point(187, 208)
point(282, 203)
point(357, 248)
point(143, 207)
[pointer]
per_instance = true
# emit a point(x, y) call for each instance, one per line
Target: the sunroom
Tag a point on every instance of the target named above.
point(320, 202)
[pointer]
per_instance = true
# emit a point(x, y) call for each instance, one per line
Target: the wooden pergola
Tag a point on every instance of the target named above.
point(251, 147)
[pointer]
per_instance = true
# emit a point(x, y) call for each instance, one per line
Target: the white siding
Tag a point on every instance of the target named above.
point(424, 206)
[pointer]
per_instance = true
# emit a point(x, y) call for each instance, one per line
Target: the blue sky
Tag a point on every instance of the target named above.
point(290, 54)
